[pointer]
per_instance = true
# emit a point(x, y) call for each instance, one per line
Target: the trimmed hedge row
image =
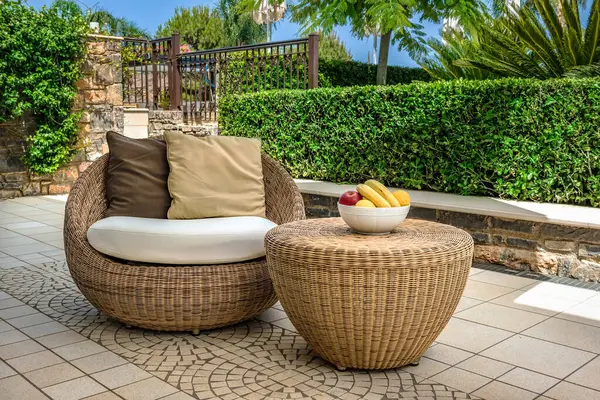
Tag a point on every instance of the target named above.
point(354, 73)
point(514, 139)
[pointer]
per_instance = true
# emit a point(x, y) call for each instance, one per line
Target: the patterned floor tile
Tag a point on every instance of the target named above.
point(252, 360)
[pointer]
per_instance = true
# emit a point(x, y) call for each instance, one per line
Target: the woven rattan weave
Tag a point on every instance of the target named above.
point(170, 297)
point(369, 302)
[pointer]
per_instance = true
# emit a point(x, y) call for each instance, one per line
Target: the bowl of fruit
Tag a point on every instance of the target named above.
point(372, 209)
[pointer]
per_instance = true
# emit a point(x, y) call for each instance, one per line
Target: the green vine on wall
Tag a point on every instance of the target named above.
point(41, 53)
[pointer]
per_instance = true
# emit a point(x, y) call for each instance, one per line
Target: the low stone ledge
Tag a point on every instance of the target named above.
point(545, 248)
point(560, 218)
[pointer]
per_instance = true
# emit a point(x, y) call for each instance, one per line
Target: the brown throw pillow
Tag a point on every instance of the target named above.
point(214, 176)
point(136, 181)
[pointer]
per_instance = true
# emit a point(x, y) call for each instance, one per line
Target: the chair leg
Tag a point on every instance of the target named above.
point(195, 332)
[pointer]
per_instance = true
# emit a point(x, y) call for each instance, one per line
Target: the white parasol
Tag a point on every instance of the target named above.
point(269, 13)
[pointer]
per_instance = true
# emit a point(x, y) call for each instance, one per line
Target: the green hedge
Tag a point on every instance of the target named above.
point(514, 139)
point(354, 73)
point(41, 53)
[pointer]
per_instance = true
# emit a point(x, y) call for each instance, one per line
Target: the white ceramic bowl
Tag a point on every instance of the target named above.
point(373, 221)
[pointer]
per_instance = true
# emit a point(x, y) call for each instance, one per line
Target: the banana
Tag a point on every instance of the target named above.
point(383, 192)
point(370, 194)
point(402, 197)
point(365, 203)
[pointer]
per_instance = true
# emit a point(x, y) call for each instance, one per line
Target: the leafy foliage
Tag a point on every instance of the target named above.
point(516, 139)
point(203, 28)
point(398, 20)
point(543, 39)
point(444, 63)
point(355, 73)
point(40, 57)
point(332, 48)
point(238, 26)
point(198, 26)
point(109, 24)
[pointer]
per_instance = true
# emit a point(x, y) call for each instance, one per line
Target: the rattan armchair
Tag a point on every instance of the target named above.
point(171, 297)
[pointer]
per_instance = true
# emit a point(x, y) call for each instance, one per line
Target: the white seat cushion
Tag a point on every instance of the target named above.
point(194, 241)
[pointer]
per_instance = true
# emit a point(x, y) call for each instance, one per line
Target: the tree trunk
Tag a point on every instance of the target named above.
point(560, 14)
point(374, 48)
point(384, 49)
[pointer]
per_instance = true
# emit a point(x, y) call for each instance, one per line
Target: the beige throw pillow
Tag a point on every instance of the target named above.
point(214, 176)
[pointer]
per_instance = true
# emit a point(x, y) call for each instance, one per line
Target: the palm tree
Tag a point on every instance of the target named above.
point(238, 24)
point(454, 47)
point(331, 47)
point(117, 26)
point(541, 40)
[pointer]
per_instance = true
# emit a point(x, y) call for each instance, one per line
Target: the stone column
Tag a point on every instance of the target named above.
point(100, 94)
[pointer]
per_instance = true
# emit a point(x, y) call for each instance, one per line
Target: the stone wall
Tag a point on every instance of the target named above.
point(548, 249)
point(14, 179)
point(100, 95)
point(100, 99)
point(161, 121)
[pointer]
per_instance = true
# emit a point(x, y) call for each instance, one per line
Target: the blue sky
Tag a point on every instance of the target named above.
point(150, 13)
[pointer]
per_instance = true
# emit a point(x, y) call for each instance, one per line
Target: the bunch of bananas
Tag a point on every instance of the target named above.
point(374, 194)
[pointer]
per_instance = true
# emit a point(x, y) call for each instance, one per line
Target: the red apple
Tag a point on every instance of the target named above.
point(350, 198)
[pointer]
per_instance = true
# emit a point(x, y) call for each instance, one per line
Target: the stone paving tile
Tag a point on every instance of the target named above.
point(265, 358)
point(6, 370)
point(9, 303)
point(485, 366)
point(470, 336)
point(15, 312)
point(98, 362)
point(538, 355)
point(34, 361)
point(509, 319)
point(52, 375)
point(75, 389)
point(12, 336)
point(446, 354)
point(61, 339)
point(104, 396)
point(574, 334)
point(569, 391)
point(461, 379)
point(78, 350)
point(529, 380)
point(48, 328)
point(588, 375)
point(149, 389)
point(19, 349)
point(17, 388)
point(121, 376)
point(485, 291)
point(537, 302)
point(502, 391)
point(29, 320)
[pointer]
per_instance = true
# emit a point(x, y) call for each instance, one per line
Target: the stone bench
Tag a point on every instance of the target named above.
point(551, 239)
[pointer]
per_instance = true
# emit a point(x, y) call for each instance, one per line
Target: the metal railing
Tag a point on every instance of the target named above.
point(156, 75)
point(147, 71)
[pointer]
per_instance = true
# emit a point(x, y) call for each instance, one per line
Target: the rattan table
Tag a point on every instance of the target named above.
point(369, 302)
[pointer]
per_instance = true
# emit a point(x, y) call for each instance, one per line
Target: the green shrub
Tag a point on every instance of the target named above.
point(514, 139)
point(40, 56)
point(354, 73)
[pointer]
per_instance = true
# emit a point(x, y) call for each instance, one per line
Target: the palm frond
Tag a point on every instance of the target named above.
point(591, 38)
point(584, 71)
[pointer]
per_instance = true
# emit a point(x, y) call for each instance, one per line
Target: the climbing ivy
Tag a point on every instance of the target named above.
point(41, 53)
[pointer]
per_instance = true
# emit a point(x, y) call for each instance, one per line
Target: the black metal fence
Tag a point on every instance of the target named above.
point(147, 72)
point(156, 75)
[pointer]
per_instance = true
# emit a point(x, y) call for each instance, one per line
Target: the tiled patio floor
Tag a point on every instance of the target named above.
point(512, 337)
